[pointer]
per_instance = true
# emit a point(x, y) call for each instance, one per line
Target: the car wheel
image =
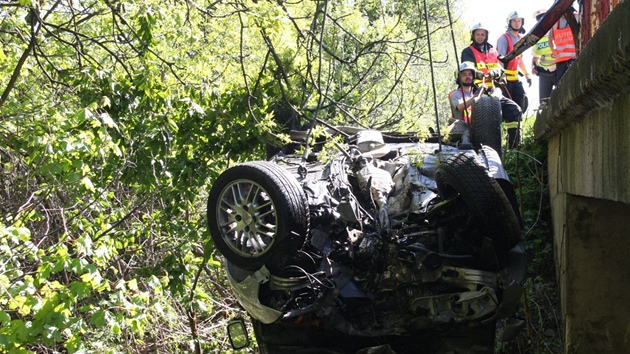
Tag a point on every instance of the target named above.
point(485, 126)
point(254, 210)
point(462, 175)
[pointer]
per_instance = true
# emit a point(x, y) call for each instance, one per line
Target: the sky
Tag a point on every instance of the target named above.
point(493, 14)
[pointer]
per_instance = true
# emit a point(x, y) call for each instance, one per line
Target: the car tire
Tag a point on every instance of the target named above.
point(488, 205)
point(485, 126)
point(256, 209)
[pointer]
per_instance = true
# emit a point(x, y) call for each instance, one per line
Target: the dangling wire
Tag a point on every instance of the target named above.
point(450, 23)
point(437, 120)
point(302, 168)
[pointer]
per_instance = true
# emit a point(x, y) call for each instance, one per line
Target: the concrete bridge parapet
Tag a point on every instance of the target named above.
point(586, 125)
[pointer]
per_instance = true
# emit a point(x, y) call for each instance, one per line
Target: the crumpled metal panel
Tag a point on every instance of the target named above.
point(246, 286)
point(465, 306)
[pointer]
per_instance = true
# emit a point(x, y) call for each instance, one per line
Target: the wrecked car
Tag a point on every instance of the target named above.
point(391, 244)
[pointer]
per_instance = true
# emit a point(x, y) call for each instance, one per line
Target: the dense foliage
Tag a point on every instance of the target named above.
point(527, 167)
point(115, 117)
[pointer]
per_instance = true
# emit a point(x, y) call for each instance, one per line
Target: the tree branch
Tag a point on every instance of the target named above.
point(18, 68)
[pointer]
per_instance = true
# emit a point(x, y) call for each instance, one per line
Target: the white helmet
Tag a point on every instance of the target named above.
point(467, 65)
point(478, 26)
point(539, 12)
point(514, 15)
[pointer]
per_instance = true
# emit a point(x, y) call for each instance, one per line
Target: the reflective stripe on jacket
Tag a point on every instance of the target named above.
point(511, 71)
point(486, 62)
point(564, 45)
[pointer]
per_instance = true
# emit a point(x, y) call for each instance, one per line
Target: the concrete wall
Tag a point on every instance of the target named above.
point(586, 125)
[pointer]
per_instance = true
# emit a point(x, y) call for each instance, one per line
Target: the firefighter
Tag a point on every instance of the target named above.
point(483, 55)
point(486, 61)
point(514, 88)
point(461, 101)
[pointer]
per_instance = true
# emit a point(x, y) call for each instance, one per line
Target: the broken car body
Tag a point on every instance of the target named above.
point(391, 241)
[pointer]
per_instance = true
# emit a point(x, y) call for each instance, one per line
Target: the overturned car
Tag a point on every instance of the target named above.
point(392, 245)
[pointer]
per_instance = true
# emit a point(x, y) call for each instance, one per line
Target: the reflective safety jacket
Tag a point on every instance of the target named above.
point(564, 45)
point(486, 62)
point(511, 71)
point(543, 51)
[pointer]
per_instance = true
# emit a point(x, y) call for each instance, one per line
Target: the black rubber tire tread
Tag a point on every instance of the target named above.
point(289, 202)
point(462, 174)
point(485, 126)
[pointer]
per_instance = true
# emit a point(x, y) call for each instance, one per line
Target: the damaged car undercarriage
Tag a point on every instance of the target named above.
point(391, 243)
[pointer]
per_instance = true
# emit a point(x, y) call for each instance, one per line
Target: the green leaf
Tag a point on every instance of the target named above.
point(80, 289)
point(17, 302)
point(132, 285)
point(4, 318)
point(116, 328)
point(106, 102)
point(74, 344)
point(20, 233)
point(87, 183)
point(84, 245)
point(20, 330)
point(52, 333)
point(98, 318)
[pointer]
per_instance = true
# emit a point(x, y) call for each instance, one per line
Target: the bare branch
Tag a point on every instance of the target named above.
point(31, 44)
